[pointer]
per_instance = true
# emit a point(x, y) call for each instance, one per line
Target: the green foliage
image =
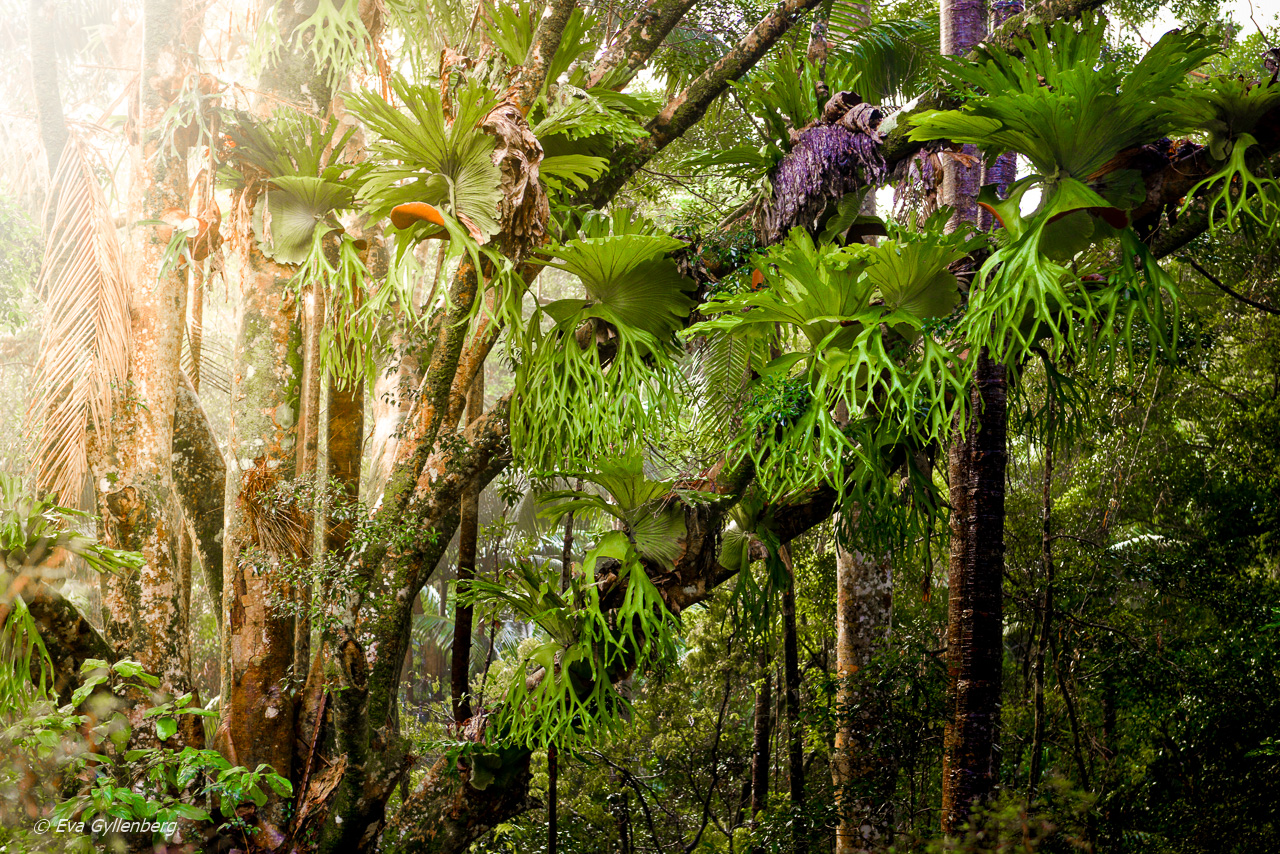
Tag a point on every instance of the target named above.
point(333, 36)
point(1052, 102)
point(1069, 118)
point(299, 158)
point(69, 765)
point(635, 300)
point(572, 692)
point(296, 223)
point(894, 58)
point(513, 26)
point(27, 669)
point(31, 529)
point(649, 510)
point(857, 314)
point(19, 261)
point(423, 155)
point(1228, 109)
point(574, 114)
point(778, 101)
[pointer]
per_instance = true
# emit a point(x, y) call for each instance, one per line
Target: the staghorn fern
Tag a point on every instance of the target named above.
point(1070, 118)
point(1054, 104)
point(572, 692)
point(297, 158)
point(615, 347)
point(862, 319)
point(1229, 109)
point(424, 155)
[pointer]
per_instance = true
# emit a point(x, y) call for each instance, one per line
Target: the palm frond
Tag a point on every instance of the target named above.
point(84, 349)
point(893, 60)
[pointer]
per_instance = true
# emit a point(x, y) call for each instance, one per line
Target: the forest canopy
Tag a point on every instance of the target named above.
point(671, 425)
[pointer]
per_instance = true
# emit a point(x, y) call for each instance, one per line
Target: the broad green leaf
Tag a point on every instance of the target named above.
point(166, 727)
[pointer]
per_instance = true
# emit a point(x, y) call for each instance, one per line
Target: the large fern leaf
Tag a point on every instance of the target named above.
point(1053, 101)
point(423, 155)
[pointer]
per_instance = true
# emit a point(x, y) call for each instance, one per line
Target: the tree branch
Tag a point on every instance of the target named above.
point(686, 108)
point(1225, 289)
point(546, 41)
point(637, 41)
point(68, 637)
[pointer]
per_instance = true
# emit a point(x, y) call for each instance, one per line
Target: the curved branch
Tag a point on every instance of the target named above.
point(637, 42)
point(686, 108)
point(546, 41)
point(1214, 280)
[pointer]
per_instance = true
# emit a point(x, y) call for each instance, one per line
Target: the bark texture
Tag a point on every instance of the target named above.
point(636, 42)
point(791, 681)
point(143, 615)
point(68, 637)
point(864, 612)
point(43, 34)
point(468, 537)
point(964, 24)
point(200, 476)
point(260, 533)
point(265, 384)
point(308, 456)
point(975, 626)
point(761, 730)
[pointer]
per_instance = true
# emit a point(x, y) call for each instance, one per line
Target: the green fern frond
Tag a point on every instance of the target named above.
point(894, 60)
point(636, 300)
point(1053, 102)
point(422, 155)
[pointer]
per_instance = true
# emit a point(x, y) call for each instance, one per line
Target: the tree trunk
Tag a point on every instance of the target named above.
point(44, 34)
point(258, 717)
point(791, 678)
point(143, 612)
point(975, 627)
point(974, 620)
point(346, 446)
point(200, 477)
point(964, 24)
point(1004, 171)
point(1046, 606)
point(308, 444)
point(393, 392)
point(864, 611)
point(257, 722)
point(760, 738)
point(468, 537)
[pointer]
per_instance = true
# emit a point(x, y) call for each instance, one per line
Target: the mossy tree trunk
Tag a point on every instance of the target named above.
point(144, 616)
point(864, 611)
point(259, 696)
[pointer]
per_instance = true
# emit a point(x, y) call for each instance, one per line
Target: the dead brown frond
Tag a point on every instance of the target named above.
point(278, 524)
point(84, 348)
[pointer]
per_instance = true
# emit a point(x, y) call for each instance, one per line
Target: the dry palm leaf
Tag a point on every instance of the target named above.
point(84, 348)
